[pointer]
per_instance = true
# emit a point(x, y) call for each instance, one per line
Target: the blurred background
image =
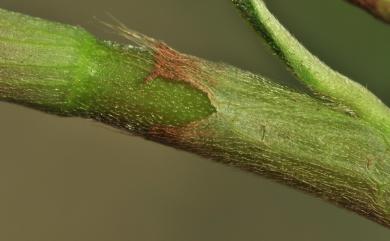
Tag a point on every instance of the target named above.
point(76, 180)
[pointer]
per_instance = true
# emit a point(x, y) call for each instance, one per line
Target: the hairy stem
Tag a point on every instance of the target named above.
point(320, 78)
point(212, 109)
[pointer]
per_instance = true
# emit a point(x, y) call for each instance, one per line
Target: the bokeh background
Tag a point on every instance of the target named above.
point(76, 180)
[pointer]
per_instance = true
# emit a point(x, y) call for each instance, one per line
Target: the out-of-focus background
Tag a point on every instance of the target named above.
point(76, 180)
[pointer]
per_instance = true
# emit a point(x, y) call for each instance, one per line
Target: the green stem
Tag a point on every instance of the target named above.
point(319, 77)
point(214, 110)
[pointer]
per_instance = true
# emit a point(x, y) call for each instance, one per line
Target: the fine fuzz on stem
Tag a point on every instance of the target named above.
point(334, 148)
point(319, 77)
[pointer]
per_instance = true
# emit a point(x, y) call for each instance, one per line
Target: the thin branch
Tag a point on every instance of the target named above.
point(319, 77)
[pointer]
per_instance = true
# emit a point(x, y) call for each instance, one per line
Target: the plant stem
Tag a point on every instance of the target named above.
point(320, 78)
point(215, 110)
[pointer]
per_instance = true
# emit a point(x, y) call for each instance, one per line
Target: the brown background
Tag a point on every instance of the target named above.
point(75, 180)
